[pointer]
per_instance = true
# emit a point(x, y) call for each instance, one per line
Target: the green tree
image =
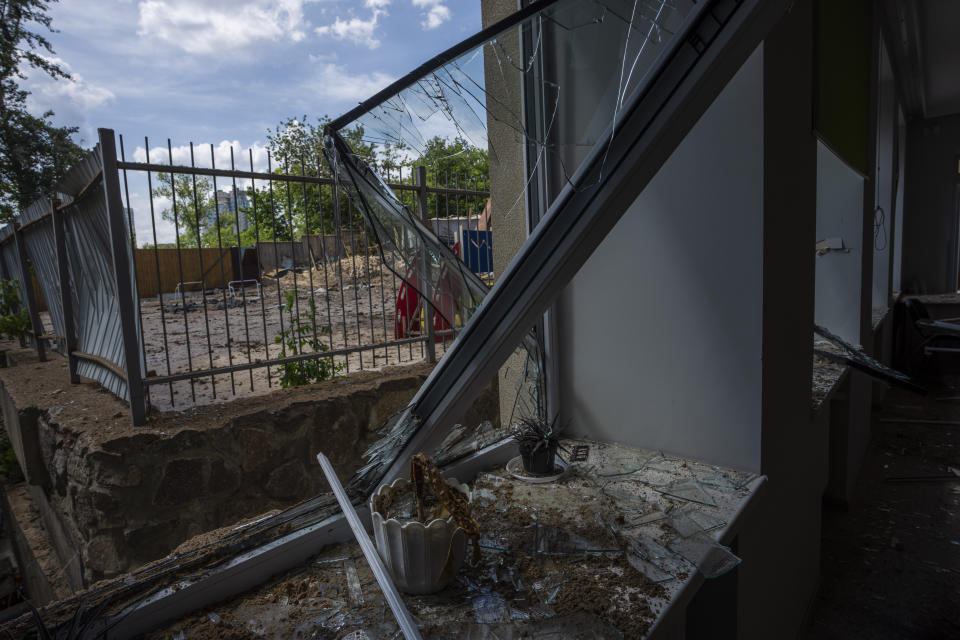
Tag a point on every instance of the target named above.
point(296, 147)
point(192, 206)
point(454, 164)
point(34, 154)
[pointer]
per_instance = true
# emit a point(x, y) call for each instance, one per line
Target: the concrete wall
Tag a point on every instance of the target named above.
point(929, 261)
point(660, 331)
point(839, 215)
point(508, 206)
point(116, 498)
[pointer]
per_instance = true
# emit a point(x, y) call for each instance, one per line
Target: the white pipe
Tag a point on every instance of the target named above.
point(404, 619)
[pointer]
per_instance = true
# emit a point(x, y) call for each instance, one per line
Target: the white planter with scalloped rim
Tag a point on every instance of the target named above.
point(415, 553)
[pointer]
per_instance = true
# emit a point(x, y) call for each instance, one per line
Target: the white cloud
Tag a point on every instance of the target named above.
point(70, 100)
point(159, 154)
point(434, 13)
point(215, 26)
point(78, 92)
point(358, 30)
point(334, 82)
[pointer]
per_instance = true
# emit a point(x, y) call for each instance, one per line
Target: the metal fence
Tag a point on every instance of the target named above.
point(243, 280)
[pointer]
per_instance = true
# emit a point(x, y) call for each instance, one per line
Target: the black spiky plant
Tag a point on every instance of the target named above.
point(538, 443)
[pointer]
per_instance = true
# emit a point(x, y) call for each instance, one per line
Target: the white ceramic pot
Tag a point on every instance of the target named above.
point(415, 553)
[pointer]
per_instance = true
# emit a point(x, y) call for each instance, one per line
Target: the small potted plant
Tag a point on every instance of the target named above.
point(538, 445)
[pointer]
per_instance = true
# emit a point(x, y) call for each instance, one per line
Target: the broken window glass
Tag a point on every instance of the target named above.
point(536, 98)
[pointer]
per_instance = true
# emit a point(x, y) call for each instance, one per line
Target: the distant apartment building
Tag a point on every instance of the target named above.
point(234, 200)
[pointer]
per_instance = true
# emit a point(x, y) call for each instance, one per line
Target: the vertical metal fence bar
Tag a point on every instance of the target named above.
point(356, 287)
point(223, 279)
point(407, 311)
point(326, 278)
point(383, 309)
point(120, 243)
point(428, 301)
point(31, 300)
point(309, 247)
point(294, 327)
point(203, 273)
point(263, 292)
point(133, 254)
point(243, 276)
point(276, 254)
point(183, 295)
point(156, 258)
point(66, 299)
point(366, 254)
point(338, 229)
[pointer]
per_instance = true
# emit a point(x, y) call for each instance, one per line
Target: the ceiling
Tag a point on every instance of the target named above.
point(924, 41)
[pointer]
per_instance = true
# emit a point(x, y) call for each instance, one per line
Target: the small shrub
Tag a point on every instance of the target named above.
point(14, 321)
point(299, 338)
point(9, 467)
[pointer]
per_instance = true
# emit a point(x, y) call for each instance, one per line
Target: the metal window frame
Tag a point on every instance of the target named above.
point(655, 122)
point(675, 94)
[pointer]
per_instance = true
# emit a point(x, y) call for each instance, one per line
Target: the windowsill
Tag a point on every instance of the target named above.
point(545, 559)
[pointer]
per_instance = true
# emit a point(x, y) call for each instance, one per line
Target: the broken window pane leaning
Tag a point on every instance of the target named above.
point(477, 100)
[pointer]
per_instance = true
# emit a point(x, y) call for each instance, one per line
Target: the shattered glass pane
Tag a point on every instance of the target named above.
point(481, 96)
point(536, 109)
point(683, 524)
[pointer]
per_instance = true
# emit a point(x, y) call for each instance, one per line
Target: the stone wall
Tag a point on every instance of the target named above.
point(123, 496)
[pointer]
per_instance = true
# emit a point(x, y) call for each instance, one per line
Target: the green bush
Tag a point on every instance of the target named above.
point(9, 467)
point(299, 337)
point(14, 321)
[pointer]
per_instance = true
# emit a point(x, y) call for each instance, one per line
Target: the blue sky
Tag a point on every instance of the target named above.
point(223, 72)
point(227, 70)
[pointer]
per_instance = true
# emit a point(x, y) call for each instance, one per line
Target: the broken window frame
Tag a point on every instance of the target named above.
point(653, 122)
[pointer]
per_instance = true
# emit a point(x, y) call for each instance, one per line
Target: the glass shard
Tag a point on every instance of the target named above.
point(688, 490)
point(711, 558)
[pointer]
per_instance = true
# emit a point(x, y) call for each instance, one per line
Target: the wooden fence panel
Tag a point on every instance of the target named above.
point(170, 269)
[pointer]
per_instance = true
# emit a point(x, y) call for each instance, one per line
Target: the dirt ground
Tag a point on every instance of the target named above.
point(890, 564)
point(100, 416)
point(355, 301)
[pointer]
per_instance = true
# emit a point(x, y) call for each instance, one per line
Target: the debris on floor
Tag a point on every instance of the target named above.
point(600, 552)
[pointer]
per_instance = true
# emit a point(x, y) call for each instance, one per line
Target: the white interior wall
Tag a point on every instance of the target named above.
point(660, 331)
point(839, 215)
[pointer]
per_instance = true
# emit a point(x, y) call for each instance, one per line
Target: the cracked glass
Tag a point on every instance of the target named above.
point(535, 99)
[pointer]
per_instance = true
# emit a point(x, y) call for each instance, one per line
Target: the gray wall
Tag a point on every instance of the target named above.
point(839, 214)
point(899, 206)
point(660, 332)
point(930, 220)
point(883, 194)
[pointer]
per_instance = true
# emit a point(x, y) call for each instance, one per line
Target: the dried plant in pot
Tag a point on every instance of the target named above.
point(538, 445)
point(423, 543)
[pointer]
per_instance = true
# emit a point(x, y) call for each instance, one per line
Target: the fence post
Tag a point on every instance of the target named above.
point(27, 281)
point(66, 300)
point(120, 247)
point(420, 175)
